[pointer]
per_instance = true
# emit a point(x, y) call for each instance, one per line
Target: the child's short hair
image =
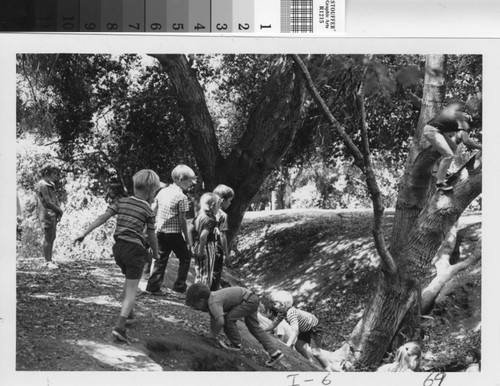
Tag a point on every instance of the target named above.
point(146, 181)
point(284, 297)
point(197, 292)
point(207, 200)
point(182, 172)
point(224, 191)
point(48, 168)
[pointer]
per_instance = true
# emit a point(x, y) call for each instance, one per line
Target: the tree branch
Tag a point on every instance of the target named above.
point(362, 158)
point(373, 188)
point(192, 105)
point(358, 156)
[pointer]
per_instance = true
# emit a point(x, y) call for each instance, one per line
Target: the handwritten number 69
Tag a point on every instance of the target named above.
point(438, 377)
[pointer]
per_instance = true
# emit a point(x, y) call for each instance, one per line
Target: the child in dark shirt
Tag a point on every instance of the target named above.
point(205, 226)
point(438, 130)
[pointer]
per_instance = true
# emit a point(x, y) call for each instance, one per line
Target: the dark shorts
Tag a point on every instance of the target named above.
point(131, 258)
point(48, 220)
point(313, 336)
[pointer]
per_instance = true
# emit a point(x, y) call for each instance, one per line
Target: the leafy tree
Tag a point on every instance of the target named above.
point(423, 218)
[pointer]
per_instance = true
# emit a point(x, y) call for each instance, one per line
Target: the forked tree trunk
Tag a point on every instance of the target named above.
point(271, 128)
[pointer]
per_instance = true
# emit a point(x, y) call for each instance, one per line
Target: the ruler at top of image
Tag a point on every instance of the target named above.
point(254, 17)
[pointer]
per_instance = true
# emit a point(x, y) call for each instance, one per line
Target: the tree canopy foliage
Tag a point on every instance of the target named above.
point(112, 115)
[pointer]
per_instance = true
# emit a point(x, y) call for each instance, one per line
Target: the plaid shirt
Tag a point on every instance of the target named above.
point(170, 202)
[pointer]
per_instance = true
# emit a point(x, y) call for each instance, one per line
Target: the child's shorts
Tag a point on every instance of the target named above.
point(48, 219)
point(314, 336)
point(130, 257)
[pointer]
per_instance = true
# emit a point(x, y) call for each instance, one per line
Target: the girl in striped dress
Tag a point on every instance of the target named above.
point(206, 230)
point(305, 327)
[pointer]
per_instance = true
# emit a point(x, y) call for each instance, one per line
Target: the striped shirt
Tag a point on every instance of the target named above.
point(134, 215)
point(170, 201)
point(303, 320)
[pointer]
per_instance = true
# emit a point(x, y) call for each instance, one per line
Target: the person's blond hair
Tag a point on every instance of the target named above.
point(208, 200)
point(146, 181)
point(407, 359)
point(182, 172)
point(284, 297)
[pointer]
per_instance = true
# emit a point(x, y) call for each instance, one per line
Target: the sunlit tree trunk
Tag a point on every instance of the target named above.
point(423, 218)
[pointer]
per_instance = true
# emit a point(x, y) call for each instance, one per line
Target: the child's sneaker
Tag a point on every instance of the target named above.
point(443, 186)
point(160, 292)
point(274, 358)
point(230, 346)
point(130, 319)
point(121, 335)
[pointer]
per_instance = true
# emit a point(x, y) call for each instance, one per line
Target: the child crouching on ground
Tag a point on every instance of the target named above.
point(206, 232)
point(225, 307)
point(130, 253)
point(305, 327)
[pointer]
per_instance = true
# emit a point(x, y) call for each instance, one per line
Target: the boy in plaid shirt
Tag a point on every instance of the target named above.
point(172, 231)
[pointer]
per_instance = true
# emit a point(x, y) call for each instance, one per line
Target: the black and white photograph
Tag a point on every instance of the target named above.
point(287, 212)
point(252, 210)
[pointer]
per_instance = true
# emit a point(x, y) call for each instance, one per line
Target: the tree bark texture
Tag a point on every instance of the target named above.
point(193, 106)
point(422, 219)
point(444, 272)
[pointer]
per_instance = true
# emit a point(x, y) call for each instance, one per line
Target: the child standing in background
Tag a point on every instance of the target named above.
point(226, 195)
point(129, 251)
point(49, 212)
point(172, 231)
point(206, 231)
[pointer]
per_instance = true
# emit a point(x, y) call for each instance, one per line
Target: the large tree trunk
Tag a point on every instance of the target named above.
point(423, 218)
point(271, 128)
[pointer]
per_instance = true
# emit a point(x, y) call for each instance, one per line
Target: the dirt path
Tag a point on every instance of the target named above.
point(65, 316)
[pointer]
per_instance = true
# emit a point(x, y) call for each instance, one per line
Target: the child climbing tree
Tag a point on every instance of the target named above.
point(422, 220)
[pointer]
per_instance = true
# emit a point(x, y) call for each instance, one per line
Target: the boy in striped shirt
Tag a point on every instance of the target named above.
point(305, 327)
point(130, 253)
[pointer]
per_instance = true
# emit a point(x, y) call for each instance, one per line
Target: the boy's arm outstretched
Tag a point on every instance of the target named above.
point(97, 223)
